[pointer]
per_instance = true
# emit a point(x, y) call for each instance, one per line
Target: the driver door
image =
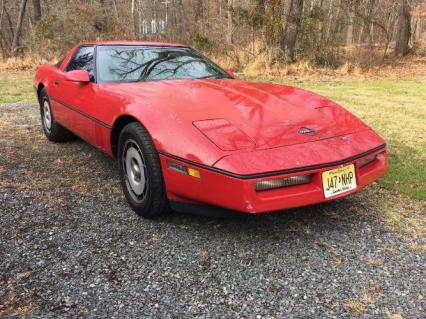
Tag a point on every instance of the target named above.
point(77, 100)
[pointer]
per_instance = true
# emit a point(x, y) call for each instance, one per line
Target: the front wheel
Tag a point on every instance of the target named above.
point(53, 131)
point(140, 172)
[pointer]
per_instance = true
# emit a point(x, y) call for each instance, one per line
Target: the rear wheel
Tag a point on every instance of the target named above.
point(140, 172)
point(53, 131)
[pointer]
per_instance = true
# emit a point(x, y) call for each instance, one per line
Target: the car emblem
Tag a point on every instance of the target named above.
point(306, 131)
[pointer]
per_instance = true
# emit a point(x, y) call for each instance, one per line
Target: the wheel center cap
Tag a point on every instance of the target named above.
point(136, 171)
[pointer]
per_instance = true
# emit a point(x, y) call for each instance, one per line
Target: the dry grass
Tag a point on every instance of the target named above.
point(389, 251)
point(355, 307)
point(417, 248)
point(364, 63)
point(340, 261)
point(23, 310)
point(399, 212)
point(374, 262)
point(393, 316)
point(203, 253)
point(374, 290)
point(24, 275)
point(244, 254)
point(367, 299)
point(17, 302)
point(299, 226)
point(29, 63)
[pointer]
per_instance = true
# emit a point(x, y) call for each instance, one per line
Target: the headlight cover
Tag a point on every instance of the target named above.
point(282, 182)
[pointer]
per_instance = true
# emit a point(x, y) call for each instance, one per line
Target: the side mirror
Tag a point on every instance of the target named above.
point(81, 76)
point(230, 73)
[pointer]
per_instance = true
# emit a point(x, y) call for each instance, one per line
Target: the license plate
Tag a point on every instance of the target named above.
point(339, 180)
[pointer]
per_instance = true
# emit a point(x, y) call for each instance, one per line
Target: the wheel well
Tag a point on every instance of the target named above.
point(39, 88)
point(119, 124)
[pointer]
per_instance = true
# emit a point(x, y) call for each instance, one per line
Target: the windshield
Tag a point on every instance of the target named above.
point(144, 63)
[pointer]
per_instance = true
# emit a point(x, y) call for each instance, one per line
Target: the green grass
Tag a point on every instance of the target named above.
point(16, 87)
point(396, 109)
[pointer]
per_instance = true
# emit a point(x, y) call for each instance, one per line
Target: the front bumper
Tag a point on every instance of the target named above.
point(216, 188)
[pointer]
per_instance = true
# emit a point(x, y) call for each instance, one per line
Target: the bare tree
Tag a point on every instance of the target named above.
point(350, 29)
point(371, 11)
point(114, 4)
point(37, 10)
point(134, 18)
point(229, 34)
point(288, 42)
point(404, 29)
point(7, 36)
point(199, 15)
point(17, 34)
point(2, 9)
point(269, 29)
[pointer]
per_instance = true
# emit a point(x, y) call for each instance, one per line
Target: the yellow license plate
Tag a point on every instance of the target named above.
point(339, 180)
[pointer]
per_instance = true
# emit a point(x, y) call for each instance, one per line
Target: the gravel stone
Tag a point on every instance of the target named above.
point(64, 254)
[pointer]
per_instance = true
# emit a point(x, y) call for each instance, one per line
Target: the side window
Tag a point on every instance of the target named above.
point(83, 60)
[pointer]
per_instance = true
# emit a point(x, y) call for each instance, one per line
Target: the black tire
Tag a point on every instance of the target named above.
point(140, 172)
point(56, 132)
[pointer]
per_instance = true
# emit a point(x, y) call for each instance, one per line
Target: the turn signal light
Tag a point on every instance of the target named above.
point(283, 182)
point(183, 169)
point(193, 172)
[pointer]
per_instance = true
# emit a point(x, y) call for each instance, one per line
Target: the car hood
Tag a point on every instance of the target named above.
point(236, 114)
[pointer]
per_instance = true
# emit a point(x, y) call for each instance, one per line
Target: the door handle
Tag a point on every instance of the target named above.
point(57, 82)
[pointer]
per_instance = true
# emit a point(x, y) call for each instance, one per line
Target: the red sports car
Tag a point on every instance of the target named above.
point(187, 134)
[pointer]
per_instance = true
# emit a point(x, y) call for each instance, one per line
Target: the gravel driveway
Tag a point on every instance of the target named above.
point(71, 247)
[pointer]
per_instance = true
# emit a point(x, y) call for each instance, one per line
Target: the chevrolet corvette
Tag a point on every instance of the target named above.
point(188, 135)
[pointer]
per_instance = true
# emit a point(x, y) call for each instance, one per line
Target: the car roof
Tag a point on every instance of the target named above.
point(129, 42)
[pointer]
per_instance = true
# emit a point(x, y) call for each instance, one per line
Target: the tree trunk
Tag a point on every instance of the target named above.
point(1, 16)
point(18, 30)
point(350, 29)
point(229, 34)
point(3, 50)
point(371, 14)
point(330, 15)
point(134, 18)
point(9, 27)
point(199, 17)
point(114, 5)
point(288, 41)
point(389, 26)
point(404, 29)
point(419, 29)
point(37, 10)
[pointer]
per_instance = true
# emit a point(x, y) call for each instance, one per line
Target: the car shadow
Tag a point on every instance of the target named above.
point(343, 215)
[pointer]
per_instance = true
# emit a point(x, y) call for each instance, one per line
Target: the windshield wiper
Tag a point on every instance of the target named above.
point(212, 77)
